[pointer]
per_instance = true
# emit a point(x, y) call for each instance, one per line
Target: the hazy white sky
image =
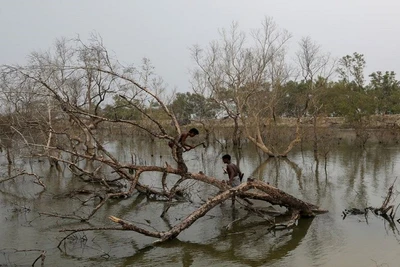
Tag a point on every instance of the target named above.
point(164, 30)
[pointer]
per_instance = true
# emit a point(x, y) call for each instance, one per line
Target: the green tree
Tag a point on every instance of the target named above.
point(122, 109)
point(340, 100)
point(351, 70)
point(187, 106)
point(295, 97)
point(386, 91)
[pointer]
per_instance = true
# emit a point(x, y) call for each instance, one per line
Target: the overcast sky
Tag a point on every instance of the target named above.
point(164, 30)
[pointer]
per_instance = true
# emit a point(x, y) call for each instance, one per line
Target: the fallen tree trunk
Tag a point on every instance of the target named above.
point(269, 193)
point(250, 190)
point(276, 196)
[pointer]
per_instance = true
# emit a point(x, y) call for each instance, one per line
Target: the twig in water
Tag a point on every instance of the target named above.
point(41, 256)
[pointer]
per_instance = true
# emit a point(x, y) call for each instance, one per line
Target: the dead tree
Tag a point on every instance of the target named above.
point(72, 130)
point(235, 66)
point(387, 210)
point(245, 77)
point(296, 208)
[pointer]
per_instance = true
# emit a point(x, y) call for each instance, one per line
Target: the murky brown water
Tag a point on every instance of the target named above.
point(352, 178)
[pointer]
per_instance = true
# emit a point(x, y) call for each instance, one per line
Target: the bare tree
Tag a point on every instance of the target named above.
point(75, 81)
point(316, 68)
point(236, 68)
point(221, 73)
point(313, 62)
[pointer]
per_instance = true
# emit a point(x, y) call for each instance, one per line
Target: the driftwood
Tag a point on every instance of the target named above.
point(131, 173)
point(386, 205)
point(251, 189)
point(274, 195)
point(386, 210)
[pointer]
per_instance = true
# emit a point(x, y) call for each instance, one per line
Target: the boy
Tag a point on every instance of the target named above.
point(181, 147)
point(233, 171)
point(182, 139)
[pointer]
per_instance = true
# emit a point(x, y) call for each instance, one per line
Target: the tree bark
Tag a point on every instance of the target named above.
point(275, 196)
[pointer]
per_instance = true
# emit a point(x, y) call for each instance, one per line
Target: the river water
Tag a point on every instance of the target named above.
point(351, 177)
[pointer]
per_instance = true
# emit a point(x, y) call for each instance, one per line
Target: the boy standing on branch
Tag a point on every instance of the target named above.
point(233, 171)
point(180, 146)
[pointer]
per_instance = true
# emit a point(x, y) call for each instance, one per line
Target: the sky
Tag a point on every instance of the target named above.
point(165, 30)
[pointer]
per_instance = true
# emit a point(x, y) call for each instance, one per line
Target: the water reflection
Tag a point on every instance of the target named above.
point(349, 177)
point(251, 245)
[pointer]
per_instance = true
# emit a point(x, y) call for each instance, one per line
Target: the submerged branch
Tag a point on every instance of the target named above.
point(74, 231)
point(382, 211)
point(37, 178)
point(297, 208)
